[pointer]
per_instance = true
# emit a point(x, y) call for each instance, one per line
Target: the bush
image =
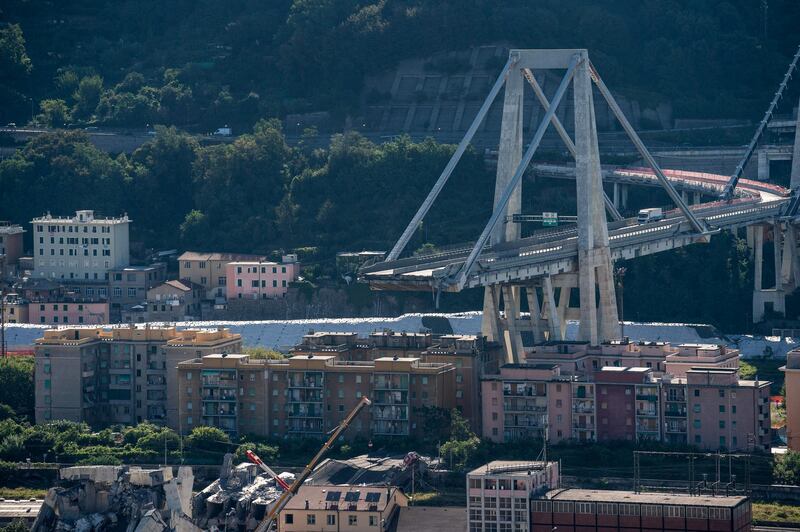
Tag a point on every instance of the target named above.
point(102, 459)
point(209, 441)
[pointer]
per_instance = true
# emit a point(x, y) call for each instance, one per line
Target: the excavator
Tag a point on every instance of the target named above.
point(269, 521)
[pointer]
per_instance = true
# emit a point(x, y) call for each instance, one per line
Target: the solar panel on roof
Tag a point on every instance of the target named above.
point(373, 496)
point(352, 496)
point(333, 496)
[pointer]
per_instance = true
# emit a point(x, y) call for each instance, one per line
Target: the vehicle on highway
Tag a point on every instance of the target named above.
point(12, 125)
point(91, 128)
point(223, 132)
point(653, 214)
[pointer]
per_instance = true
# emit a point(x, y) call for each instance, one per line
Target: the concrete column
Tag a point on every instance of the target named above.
point(763, 165)
point(594, 257)
point(758, 252)
point(553, 317)
point(491, 314)
point(795, 175)
point(624, 196)
point(685, 196)
point(696, 198)
point(536, 314)
point(616, 195)
point(511, 337)
point(777, 245)
point(509, 155)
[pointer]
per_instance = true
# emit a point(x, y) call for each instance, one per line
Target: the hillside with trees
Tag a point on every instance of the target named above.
point(197, 64)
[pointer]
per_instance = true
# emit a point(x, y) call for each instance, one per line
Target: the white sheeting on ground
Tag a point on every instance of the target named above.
point(283, 334)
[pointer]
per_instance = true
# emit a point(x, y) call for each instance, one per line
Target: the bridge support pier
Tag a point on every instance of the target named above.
point(598, 323)
point(620, 196)
point(786, 268)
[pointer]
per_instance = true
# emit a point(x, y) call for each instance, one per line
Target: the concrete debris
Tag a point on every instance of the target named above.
point(99, 498)
point(372, 470)
point(239, 499)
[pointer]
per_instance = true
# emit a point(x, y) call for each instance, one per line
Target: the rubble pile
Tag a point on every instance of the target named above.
point(238, 499)
point(98, 498)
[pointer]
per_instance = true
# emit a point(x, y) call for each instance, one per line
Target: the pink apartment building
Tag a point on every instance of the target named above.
point(69, 313)
point(260, 279)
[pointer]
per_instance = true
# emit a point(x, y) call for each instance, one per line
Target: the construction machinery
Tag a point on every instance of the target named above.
point(269, 520)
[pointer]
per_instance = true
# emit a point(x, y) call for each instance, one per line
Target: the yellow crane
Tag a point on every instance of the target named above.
point(266, 524)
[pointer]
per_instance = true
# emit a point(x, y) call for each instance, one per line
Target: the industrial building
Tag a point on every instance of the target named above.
point(580, 510)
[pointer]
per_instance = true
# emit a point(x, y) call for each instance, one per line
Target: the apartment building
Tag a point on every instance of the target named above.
point(792, 374)
point(68, 311)
point(115, 375)
point(710, 407)
point(169, 301)
point(351, 508)
point(578, 357)
point(308, 395)
point(471, 355)
point(209, 270)
point(690, 356)
point(15, 309)
point(261, 279)
point(499, 494)
point(725, 412)
point(128, 286)
point(11, 246)
point(79, 248)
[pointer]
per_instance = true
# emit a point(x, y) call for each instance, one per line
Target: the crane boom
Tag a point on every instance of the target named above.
point(269, 519)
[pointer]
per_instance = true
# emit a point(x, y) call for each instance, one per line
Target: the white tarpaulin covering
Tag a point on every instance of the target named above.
point(283, 334)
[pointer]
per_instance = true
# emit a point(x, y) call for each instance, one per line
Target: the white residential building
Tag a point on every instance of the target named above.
point(81, 247)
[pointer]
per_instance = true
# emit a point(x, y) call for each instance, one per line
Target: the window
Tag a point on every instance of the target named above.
point(289, 519)
point(254, 283)
point(373, 520)
point(696, 408)
point(117, 291)
point(352, 520)
point(475, 483)
point(238, 282)
point(722, 423)
point(331, 519)
point(697, 393)
point(721, 408)
point(721, 392)
point(203, 280)
point(311, 519)
point(697, 423)
point(131, 292)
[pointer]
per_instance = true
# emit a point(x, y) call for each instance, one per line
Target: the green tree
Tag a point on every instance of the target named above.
point(163, 164)
point(267, 453)
point(260, 352)
point(16, 385)
point(53, 113)
point(87, 96)
point(786, 468)
point(463, 443)
point(14, 61)
point(209, 441)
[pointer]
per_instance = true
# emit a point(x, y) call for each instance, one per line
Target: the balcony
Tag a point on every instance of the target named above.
point(524, 406)
point(647, 412)
point(390, 413)
point(396, 397)
point(675, 411)
point(646, 397)
point(219, 394)
point(218, 383)
point(312, 380)
point(305, 427)
point(391, 428)
point(296, 412)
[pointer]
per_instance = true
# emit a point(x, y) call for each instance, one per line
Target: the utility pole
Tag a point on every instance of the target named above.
point(3, 324)
point(764, 12)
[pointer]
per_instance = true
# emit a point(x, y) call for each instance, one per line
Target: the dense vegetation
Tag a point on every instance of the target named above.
point(199, 64)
